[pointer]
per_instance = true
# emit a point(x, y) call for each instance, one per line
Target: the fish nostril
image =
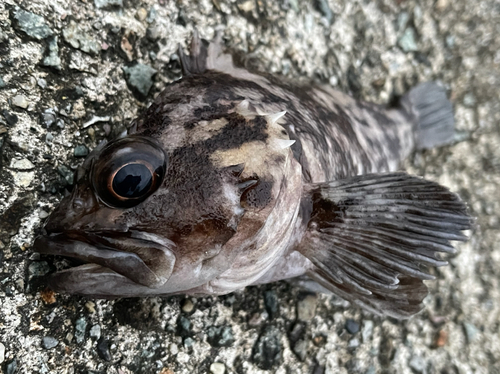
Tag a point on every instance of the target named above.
point(78, 204)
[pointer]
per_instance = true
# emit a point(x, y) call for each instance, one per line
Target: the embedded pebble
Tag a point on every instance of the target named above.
point(354, 343)
point(107, 129)
point(306, 307)
point(297, 333)
point(49, 117)
point(42, 83)
point(139, 78)
point(91, 133)
point(141, 14)
point(351, 326)
point(323, 7)
point(80, 327)
point(300, 349)
point(220, 336)
point(441, 5)
point(173, 348)
point(188, 342)
point(20, 101)
point(43, 214)
point(95, 332)
point(267, 350)
point(418, 364)
point(294, 4)
point(103, 350)
point(403, 19)
point(52, 58)
point(23, 178)
point(2, 353)
point(38, 269)
point(48, 342)
point(469, 100)
point(2, 83)
point(66, 173)
point(450, 41)
point(151, 15)
point(257, 318)
point(187, 306)
point(407, 41)
point(11, 367)
point(49, 137)
point(32, 24)
point(217, 368)
point(245, 6)
point(22, 164)
point(153, 33)
point(184, 326)
point(10, 117)
point(90, 305)
point(471, 332)
point(108, 4)
point(81, 151)
point(441, 338)
point(75, 36)
point(271, 303)
point(371, 370)
point(367, 330)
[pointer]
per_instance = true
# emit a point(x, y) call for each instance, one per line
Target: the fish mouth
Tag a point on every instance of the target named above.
point(138, 258)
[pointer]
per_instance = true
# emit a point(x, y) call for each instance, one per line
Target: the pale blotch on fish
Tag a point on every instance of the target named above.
point(234, 178)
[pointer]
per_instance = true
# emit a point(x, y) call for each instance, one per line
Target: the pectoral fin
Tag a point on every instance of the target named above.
point(371, 236)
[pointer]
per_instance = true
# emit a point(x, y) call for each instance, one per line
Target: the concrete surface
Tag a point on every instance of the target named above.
point(66, 83)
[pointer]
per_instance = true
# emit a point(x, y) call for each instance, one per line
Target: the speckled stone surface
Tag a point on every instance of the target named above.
point(63, 89)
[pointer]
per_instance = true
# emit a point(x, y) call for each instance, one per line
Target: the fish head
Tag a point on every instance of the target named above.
point(165, 213)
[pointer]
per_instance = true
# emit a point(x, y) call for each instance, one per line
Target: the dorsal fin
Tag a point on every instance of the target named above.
point(204, 55)
point(196, 62)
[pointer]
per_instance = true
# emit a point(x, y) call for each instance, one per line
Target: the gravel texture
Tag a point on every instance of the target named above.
point(74, 72)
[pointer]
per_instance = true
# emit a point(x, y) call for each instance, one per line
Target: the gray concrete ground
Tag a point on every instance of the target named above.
point(67, 80)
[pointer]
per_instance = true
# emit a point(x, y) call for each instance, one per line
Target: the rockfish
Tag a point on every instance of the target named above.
point(234, 178)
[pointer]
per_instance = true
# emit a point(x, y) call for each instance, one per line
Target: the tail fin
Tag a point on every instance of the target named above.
point(433, 113)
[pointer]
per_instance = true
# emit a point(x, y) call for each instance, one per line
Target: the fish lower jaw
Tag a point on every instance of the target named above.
point(96, 281)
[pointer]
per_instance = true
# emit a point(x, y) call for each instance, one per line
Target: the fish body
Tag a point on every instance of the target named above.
point(232, 178)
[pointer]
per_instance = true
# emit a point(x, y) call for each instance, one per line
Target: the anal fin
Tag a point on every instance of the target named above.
point(370, 238)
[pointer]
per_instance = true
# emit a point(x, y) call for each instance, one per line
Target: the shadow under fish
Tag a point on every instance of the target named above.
point(233, 178)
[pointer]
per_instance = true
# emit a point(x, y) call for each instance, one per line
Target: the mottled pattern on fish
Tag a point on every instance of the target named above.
point(232, 178)
point(337, 136)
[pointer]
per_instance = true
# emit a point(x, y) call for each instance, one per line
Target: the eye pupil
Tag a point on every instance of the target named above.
point(132, 181)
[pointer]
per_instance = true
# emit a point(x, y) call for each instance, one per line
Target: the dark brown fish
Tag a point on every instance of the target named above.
point(232, 178)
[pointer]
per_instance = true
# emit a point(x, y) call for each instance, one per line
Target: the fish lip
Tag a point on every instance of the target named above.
point(90, 236)
point(91, 248)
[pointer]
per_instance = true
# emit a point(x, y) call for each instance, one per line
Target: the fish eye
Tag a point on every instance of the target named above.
point(128, 170)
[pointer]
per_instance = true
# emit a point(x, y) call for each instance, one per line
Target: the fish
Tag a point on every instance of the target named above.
point(233, 178)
